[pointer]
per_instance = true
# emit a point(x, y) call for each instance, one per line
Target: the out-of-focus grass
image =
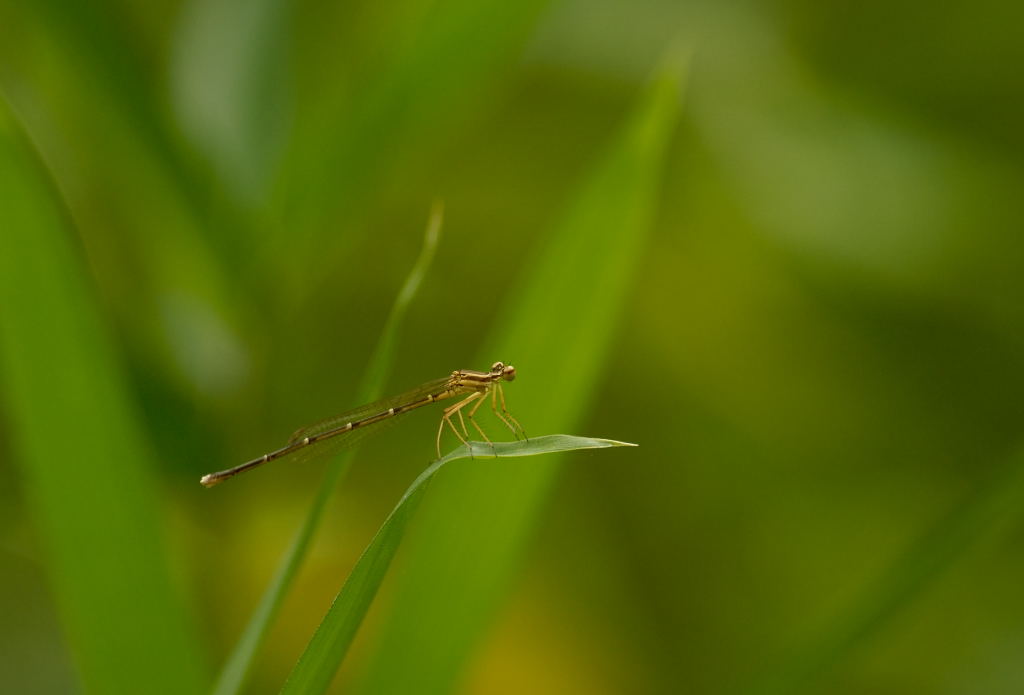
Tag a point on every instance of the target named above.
point(236, 670)
point(86, 465)
point(471, 533)
point(433, 62)
point(821, 353)
point(94, 40)
point(232, 88)
point(318, 664)
point(985, 512)
point(184, 276)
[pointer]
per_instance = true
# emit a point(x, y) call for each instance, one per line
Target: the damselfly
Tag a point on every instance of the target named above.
point(329, 436)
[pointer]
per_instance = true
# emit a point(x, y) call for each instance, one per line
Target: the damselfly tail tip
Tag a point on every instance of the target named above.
point(209, 480)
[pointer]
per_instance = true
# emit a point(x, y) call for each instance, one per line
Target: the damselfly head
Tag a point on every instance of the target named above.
point(503, 371)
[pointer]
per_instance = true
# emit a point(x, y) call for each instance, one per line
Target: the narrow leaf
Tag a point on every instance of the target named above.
point(239, 664)
point(316, 668)
point(557, 331)
point(84, 462)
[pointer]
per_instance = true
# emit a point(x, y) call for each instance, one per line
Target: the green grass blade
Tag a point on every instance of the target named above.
point(557, 331)
point(84, 462)
point(239, 664)
point(317, 665)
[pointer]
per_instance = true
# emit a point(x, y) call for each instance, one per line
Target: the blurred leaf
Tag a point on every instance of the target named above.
point(239, 664)
point(437, 57)
point(852, 186)
point(99, 46)
point(231, 87)
point(557, 330)
point(95, 109)
point(84, 462)
point(996, 504)
point(316, 667)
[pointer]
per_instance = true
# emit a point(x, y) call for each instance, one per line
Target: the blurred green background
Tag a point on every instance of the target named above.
point(802, 295)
